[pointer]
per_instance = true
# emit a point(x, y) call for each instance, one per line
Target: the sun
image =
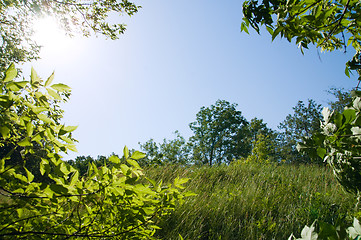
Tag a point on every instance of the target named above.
point(50, 36)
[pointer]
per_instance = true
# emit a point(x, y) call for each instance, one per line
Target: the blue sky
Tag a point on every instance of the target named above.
point(176, 57)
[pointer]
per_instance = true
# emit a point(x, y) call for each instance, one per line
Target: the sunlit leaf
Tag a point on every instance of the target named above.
point(25, 142)
point(126, 152)
point(49, 80)
point(114, 159)
point(138, 155)
point(61, 87)
point(10, 73)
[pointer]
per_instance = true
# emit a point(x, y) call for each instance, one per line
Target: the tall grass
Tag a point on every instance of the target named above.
point(253, 201)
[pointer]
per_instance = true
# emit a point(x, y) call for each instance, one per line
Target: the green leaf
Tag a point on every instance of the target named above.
point(69, 128)
point(347, 71)
point(5, 131)
point(114, 159)
point(61, 87)
point(10, 73)
point(349, 115)
point(29, 175)
point(20, 212)
point(133, 163)
point(38, 110)
point(44, 166)
point(270, 30)
point(138, 155)
point(20, 177)
point(49, 80)
point(44, 118)
point(57, 188)
point(276, 32)
point(125, 169)
point(54, 94)
point(29, 129)
point(25, 142)
point(16, 86)
point(178, 182)
point(321, 152)
point(72, 147)
point(126, 152)
point(34, 78)
point(74, 178)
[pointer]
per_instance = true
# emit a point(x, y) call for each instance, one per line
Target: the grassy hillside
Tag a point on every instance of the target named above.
point(250, 201)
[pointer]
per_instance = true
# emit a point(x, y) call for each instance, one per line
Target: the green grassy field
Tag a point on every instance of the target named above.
point(253, 201)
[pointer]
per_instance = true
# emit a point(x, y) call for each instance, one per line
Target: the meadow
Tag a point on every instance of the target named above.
point(253, 201)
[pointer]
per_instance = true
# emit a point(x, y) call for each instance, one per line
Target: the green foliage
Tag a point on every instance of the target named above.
point(304, 122)
point(253, 201)
point(81, 163)
point(339, 144)
point(18, 17)
point(219, 134)
point(343, 99)
point(263, 150)
point(175, 151)
point(114, 202)
point(338, 231)
point(328, 24)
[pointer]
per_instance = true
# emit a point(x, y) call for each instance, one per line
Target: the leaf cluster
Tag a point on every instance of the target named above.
point(115, 202)
point(74, 16)
point(327, 24)
point(339, 142)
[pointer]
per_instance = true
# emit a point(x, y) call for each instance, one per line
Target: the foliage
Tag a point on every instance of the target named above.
point(339, 144)
point(18, 17)
point(81, 163)
point(343, 99)
point(328, 24)
point(175, 151)
point(253, 201)
point(219, 134)
point(263, 150)
point(328, 231)
point(109, 202)
point(304, 122)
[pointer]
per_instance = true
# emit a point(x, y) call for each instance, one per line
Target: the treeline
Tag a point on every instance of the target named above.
point(221, 134)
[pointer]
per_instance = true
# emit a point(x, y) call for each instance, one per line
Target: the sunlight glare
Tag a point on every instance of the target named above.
point(50, 36)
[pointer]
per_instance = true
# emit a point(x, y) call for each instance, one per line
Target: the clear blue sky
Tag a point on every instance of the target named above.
point(176, 57)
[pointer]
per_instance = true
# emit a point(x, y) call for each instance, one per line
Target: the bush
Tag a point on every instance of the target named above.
point(116, 202)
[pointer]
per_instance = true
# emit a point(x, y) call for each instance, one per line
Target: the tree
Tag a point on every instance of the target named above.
point(343, 99)
point(304, 122)
point(220, 133)
point(328, 24)
point(263, 150)
point(264, 141)
point(18, 16)
point(116, 202)
point(175, 151)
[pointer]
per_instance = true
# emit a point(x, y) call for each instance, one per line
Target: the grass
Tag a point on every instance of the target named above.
point(253, 201)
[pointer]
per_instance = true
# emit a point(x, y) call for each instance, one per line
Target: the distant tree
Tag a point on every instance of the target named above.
point(304, 122)
point(263, 149)
point(151, 149)
point(343, 99)
point(17, 19)
point(260, 134)
point(220, 134)
point(167, 152)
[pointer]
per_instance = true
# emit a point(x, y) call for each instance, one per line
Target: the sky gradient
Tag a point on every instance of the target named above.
point(176, 57)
